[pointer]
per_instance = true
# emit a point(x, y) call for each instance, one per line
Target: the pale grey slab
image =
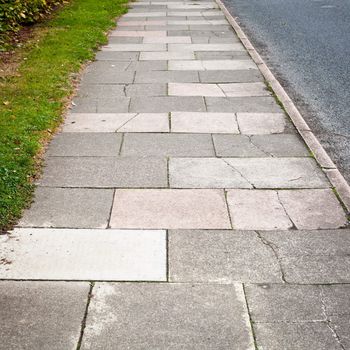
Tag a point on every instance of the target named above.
point(313, 208)
point(285, 303)
point(69, 207)
point(134, 47)
point(100, 90)
point(341, 324)
point(117, 56)
point(261, 123)
point(166, 77)
point(151, 65)
point(220, 257)
point(167, 145)
point(295, 336)
point(108, 76)
point(205, 47)
point(105, 172)
point(172, 316)
point(230, 76)
point(66, 254)
point(169, 209)
point(68, 144)
point(242, 104)
point(41, 315)
point(336, 297)
point(166, 104)
point(166, 55)
point(279, 145)
point(113, 105)
point(124, 40)
point(219, 55)
point(257, 210)
point(133, 90)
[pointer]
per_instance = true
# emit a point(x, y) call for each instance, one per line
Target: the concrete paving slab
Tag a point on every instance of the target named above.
point(100, 90)
point(180, 89)
point(341, 324)
point(123, 23)
point(243, 104)
point(313, 209)
point(204, 47)
point(109, 76)
point(295, 336)
point(161, 104)
point(229, 76)
point(117, 56)
point(144, 14)
point(161, 77)
point(216, 55)
point(105, 172)
point(41, 315)
point(244, 89)
point(336, 298)
point(204, 173)
point(170, 209)
point(257, 210)
point(192, 122)
point(156, 65)
point(112, 255)
point(167, 145)
point(117, 122)
point(259, 146)
point(198, 22)
point(285, 303)
point(69, 207)
point(261, 123)
point(135, 47)
point(149, 316)
point(212, 65)
point(133, 90)
point(166, 55)
point(280, 172)
point(220, 257)
point(195, 13)
point(142, 33)
point(68, 144)
point(168, 40)
point(125, 40)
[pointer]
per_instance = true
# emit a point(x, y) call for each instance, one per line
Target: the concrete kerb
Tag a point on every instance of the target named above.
point(333, 174)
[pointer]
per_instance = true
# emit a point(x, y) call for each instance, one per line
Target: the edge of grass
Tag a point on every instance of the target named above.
point(32, 102)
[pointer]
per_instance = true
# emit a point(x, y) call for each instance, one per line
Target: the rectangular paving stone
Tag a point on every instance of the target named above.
point(112, 105)
point(117, 56)
point(155, 65)
point(193, 122)
point(214, 40)
point(212, 65)
point(31, 311)
point(220, 257)
point(170, 209)
point(257, 210)
point(243, 104)
point(217, 55)
point(67, 254)
point(208, 316)
point(261, 123)
point(145, 14)
point(125, 40)
point(295, 336)
point(195, 13)
point(100, 90)
point(118, 122)
point(244, 89)
point(168, 40)
point(167, 104)
point(122, 23)
point(69, 207)
point(84, 145)
point(161, 77)
point(166, 55)
point(180, 89)
point(245, 173)
point(167, 145)
point(108, 76)
point(204, 173)
point(133, 90)
point(342, 325)
point(209, 32)
point(104, 172)
point(134, 47)
point(285, 303)
point(198, 22)
point(279, 145)
point(142, 33)
point(313, 209)
point(205, 47)
point(230, 76)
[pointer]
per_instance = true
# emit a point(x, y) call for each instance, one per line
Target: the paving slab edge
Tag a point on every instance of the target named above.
point(335, 177)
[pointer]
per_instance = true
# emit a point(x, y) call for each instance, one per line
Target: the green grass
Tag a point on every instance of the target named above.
point(32, 103)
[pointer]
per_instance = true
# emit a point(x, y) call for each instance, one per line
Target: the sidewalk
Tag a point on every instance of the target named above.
point(179, 208)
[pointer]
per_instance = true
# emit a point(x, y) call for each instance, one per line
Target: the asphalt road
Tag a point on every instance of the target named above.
point(306, 43)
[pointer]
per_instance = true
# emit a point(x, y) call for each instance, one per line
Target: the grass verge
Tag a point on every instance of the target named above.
point(32, 102)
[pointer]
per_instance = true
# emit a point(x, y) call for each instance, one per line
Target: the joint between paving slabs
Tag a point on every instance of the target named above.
point(83, 323)
point(111, 210)
point(294, 227)
point(273, 248)
point(250, 317)
point(121, 144)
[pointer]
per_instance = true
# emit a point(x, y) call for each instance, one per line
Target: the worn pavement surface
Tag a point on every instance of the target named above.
point(178, 208)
